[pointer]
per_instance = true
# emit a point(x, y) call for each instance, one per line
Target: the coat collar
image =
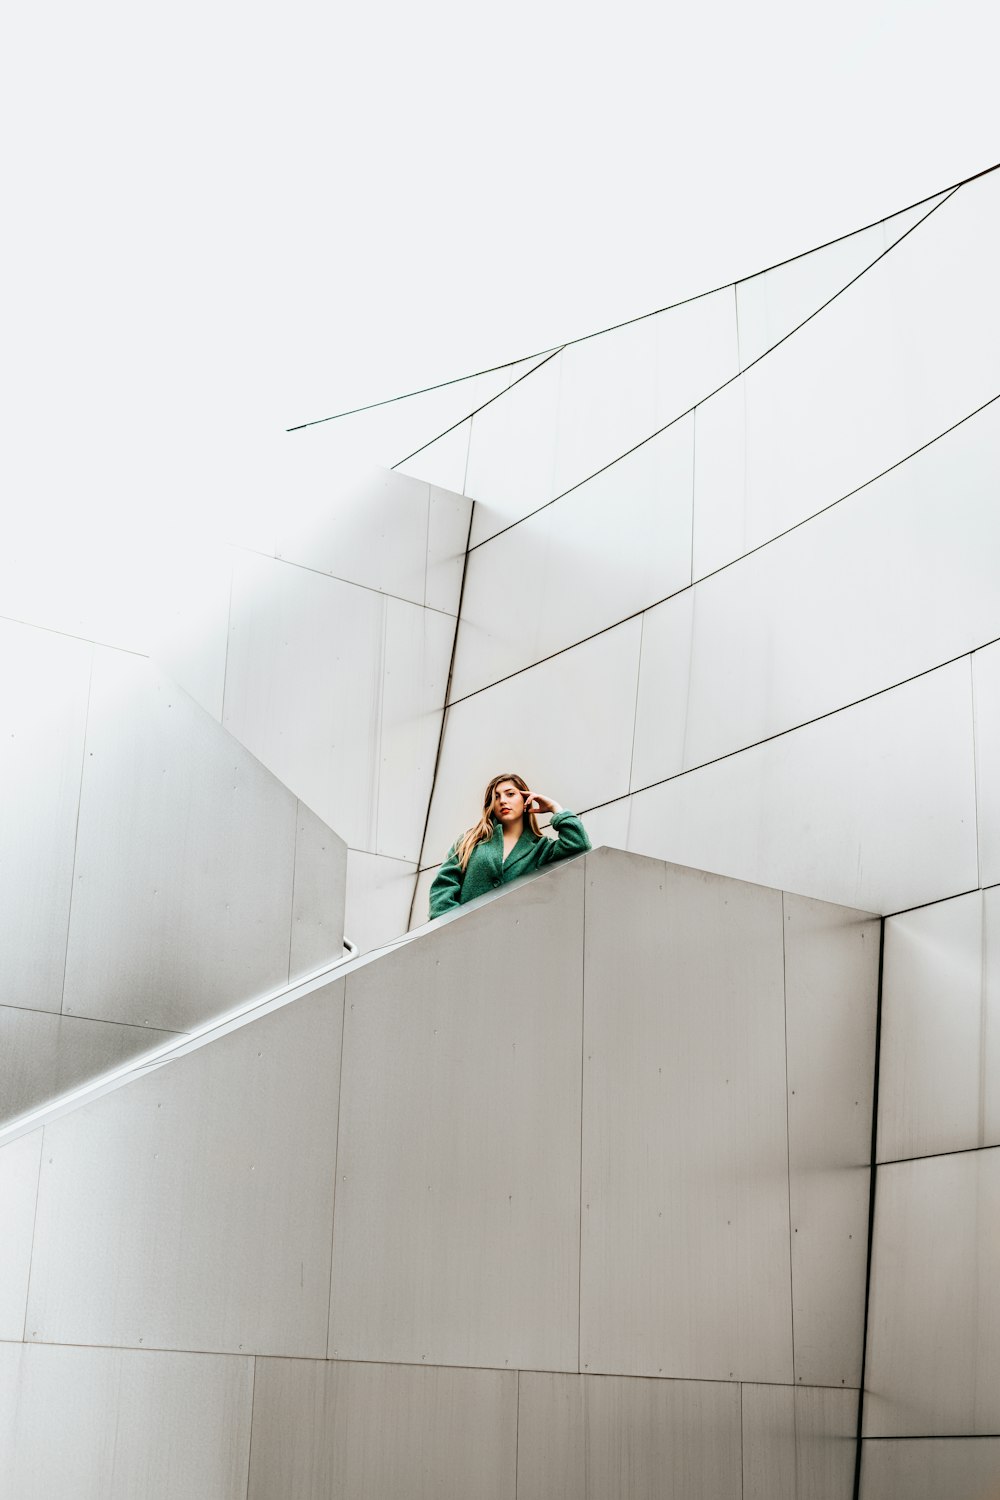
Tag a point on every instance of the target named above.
point(517, 854)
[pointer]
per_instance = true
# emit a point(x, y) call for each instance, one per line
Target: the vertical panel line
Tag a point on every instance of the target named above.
point(788, 1138)
point(253, 1396)
point(975, 768)
point(873, 1171)
point(583, 1051)
point(517, 1431)
point(229, 631)
point(444, 713)
point(34, 1225)
point(291, 913)
point(76, 831)
point(635, 711)
point(336, 1171)
point(743, 1458)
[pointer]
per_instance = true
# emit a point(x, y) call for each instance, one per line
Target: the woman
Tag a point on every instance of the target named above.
point(504, 844)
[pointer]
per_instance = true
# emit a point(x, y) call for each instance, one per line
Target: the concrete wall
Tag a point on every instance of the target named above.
point(567, 1193)
point(153, 873)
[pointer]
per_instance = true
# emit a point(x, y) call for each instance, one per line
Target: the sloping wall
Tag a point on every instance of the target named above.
point(567, 1193)
point(153, 873)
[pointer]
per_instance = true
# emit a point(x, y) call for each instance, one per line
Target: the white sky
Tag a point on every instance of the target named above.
point(227, 219)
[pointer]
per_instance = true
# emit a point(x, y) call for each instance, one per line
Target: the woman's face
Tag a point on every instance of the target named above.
point(508, 802)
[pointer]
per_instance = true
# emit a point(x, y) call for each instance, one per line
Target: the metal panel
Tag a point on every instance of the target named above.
point(414, 683)
point(114, 1424)
point(772, 304)
point(382, 1432)
point(565, 725)
point(19, 1166)
point(873, 807)
point(304, 686)
point(443, 461)
point(866, 382)
point(586, 1438)
point(622, 386)
point(774, 645)
point(44, 680)
point(630, 527)
point(512, 451)
point(42, 1056)
point(798, 1444)
point(991, 1018)
point(421, 904)
point(685, 1246)
point(372, 530)
point(958, 1468)
point(458, 1175)
point(193, 1208)
point(191, 643)
point(930, 1075)
point(831, 1005)
point(183, 886)
point(379, 892)
point(447, 534)
point(934, 1326)
point(608, 824)
point(660, 735)
point(986, 695)
point(319, 895)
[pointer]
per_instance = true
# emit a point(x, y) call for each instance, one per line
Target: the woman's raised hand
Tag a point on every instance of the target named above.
point(537, 803)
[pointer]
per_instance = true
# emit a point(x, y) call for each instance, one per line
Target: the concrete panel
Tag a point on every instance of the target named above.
point(379, 892)
point(319, 895)
point(590, 534)
point(986, 696)
point(831, 1007)
point(19, 1166)
point(873, 807)
point(447, 535)
point(44, 682)
point(566, 726)
point(934, 1323)
point(42, 1056)
point(114, 1424)
point(772, 304)
point(414, 683)
point(798, 1444)
point(958, 1468)
point(458, 1175)
point(600, 1438)
point(193, 1208)
point(371, 529)
point(304, 687)
point(685, 1243)
point(512, 451)
point(443, 461)
point(182, 894)
point(866, 382)
point(775, 641)
point(382, 1432)
point(931, 1078)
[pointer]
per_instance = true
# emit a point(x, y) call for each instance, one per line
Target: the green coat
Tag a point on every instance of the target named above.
point(487, 869)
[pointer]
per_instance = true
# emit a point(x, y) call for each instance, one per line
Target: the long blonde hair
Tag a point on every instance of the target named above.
point(483, 830)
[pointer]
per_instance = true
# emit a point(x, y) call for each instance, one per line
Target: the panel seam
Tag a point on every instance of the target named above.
point(76, 832)
point(873, 1177)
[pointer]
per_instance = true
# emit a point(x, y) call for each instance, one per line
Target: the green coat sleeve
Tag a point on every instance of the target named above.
point(571, 838)
point(446, 887)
